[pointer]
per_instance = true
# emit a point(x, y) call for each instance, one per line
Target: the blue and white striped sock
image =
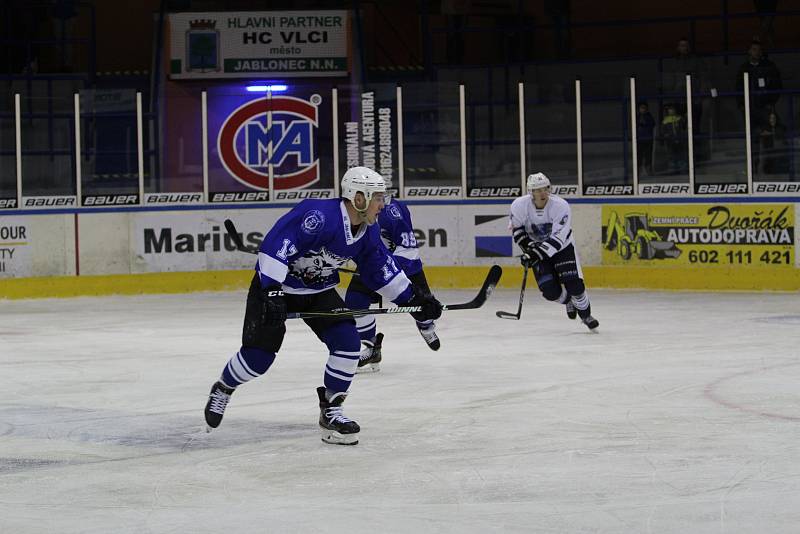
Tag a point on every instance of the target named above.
point(340, 369)
point(581, 301)
point(366, 327)
point(248, 363)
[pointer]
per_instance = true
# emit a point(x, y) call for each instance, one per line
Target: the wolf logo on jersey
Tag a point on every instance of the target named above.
point(316, 266)
point(541, 231)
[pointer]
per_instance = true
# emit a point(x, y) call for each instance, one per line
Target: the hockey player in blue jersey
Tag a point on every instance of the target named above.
point(398, 235)
point(542, 227)
point(297, 271)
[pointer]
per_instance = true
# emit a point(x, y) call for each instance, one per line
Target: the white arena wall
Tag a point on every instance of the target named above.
point(76, 249)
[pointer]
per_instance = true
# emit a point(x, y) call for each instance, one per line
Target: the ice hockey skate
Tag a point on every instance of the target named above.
point(370, 359)
point(588, 320)
point(217, 401)
point(591, 322)
point(428, 333)
point(336, 428)
point(572, 312)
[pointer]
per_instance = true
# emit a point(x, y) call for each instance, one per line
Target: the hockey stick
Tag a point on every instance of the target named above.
point(492, 278)
point(516, 316)
point(237, 240)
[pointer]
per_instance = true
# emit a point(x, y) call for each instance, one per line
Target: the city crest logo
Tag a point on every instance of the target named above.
point(202, 46)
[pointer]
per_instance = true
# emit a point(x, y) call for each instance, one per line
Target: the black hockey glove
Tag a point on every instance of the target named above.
point(431, 308)
point(273, 307)
point(531, 255)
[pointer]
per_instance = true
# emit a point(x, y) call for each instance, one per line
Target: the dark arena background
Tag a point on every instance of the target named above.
point(147, 150)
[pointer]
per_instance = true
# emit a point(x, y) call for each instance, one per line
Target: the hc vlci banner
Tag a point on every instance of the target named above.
point(286, 135)
point(699, 234)
point(268, 43)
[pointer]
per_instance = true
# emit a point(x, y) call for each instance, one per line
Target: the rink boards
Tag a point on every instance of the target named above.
point(715, 244)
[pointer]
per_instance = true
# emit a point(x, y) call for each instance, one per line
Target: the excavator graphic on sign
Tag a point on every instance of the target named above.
point(636, 237)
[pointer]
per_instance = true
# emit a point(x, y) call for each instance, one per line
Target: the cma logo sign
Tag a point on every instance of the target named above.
point(277, 131)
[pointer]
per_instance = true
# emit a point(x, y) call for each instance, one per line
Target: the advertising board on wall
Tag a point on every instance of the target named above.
point(699, 234)
point(368, 131)
point(282, 135)
point(258, 43)
point(15, 247)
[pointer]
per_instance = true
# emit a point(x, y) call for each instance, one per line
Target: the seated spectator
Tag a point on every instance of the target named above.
point(773, 146)
point(645, 123)
point(674, 137)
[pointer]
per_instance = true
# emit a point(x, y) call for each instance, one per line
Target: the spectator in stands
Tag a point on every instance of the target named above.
point(773, 146)
point(645, 124)
point(674, 82)
point(674, 136)
point(765, 78)
point(766, 10)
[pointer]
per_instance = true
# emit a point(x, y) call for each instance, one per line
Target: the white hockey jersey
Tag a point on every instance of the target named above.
point(550, 227)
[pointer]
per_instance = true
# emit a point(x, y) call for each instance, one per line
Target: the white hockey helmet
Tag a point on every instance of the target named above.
point(537, 181)
point(362, 180)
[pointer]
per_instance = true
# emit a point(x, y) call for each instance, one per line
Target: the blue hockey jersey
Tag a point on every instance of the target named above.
point(306, 247)
point(398, 235)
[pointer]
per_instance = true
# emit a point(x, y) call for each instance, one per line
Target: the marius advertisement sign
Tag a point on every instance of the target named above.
point(699, 234)
point(277, 44)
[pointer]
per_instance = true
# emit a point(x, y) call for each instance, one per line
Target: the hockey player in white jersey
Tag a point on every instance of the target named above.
point(541, 225)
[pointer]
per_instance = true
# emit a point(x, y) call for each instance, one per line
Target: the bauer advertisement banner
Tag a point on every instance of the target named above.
point(699, 234)
point(266, 43)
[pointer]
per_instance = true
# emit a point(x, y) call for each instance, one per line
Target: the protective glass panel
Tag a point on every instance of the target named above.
point(109, 157)
point(8, 165)
point(606, 139)
point(720, 146)
point(493, 144)
point(48, 141)
point(551, 132)
point(179, 166)
point(431, 135)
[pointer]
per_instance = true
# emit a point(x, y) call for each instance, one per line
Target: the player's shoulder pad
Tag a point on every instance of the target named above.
point(394, 210)
point(559, 202)
point(519, 202)
point(315, 214)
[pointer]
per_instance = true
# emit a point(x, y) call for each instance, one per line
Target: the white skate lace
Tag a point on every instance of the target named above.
point(570, 306)
point(219, 400)
point(366, 354)
point(429, 333)
point(334, 414)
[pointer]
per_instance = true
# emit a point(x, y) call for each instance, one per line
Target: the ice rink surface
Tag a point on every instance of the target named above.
point(681, 415)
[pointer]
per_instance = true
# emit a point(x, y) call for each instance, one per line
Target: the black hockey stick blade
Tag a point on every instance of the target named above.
point(516, 316)
point(492, 278)
point(236, 238)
